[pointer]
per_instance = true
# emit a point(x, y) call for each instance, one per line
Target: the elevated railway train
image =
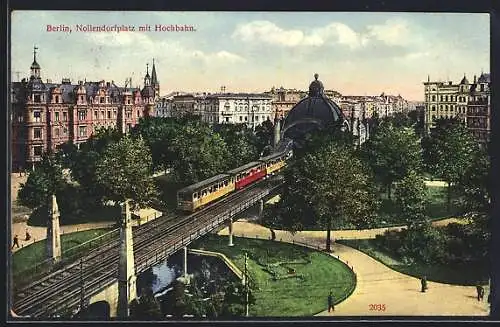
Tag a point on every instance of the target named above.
point(193, 197)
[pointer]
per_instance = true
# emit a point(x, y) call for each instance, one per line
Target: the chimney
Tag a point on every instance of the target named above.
point(107, 84)
point(449, 83)
point(475, 79)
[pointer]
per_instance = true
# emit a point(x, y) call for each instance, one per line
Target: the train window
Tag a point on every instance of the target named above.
point(195, 195)
point(225, 183)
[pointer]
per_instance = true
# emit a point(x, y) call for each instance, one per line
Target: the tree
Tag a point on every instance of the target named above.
point(330, 186)
point(241, 143)
point(146, 307)
point(158, 134)
point(265, 135)
point(47, 179)
point(411, 199)
point(235, 300)
point(392, 153)
point(83, 162)
point(450, 152)
point(200, 153)
point(124, 172)
point(474, 186)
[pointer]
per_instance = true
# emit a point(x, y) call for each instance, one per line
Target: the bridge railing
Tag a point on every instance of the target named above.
point(28, 275)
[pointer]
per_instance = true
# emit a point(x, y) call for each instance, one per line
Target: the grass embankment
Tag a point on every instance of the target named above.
point(279, 291)
point(31, 255)
point(449, 274)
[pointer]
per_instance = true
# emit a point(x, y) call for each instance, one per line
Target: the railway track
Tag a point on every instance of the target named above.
point(153, 242)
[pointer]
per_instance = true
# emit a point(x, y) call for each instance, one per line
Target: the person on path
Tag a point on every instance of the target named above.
point(16, 242)
point(273, 235)
point(423, 282)
point(480, 292)
point(330, 302)
point(28, 236)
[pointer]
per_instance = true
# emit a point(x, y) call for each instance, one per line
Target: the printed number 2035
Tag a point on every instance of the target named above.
point(377, 307)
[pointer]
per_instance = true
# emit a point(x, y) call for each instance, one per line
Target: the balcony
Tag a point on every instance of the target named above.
point(478, 103)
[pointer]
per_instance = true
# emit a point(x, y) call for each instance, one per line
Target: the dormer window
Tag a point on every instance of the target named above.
point(101, 100)
point(37, 98)
point(56, 99)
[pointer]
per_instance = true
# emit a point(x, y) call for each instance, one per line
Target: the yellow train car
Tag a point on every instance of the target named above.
point(200, 194)
point(274, 162)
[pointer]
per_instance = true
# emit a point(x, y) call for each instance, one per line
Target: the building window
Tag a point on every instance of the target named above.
point(138, 113)
point(57, 99)
point(96, 114)
point(101, 100)
point(37, 133)
point(37, 98)
point(37, 115)
point(241, 118)
point(433, 108)
point(246, 118)
point(82, 131)
point(433, 98)
point(56, 116)
point(128, 114)
point(65, 116)
point(109, 114)
point(65, 130)
point(56, 132)
point(114, 114)
point(38, 150)
point(129, 127)
point(82, 115)
point(482, 87)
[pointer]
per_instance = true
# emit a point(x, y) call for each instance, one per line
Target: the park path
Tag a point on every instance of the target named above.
point(378, 284)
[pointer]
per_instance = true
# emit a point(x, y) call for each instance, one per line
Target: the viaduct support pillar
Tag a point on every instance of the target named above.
point(53, 241)
point(261, 207)
point(230, 232)
point(127, 289)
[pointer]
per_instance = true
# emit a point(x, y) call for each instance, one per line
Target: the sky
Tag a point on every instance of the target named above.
point(353, 53)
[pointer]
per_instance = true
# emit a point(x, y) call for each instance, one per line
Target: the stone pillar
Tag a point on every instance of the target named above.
point(230, 232)
point(185, 262)
point(277, 131)
point(126, 271)
point(53, 241)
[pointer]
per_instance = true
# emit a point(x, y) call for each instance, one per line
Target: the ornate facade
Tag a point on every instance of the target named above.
point(45, 114)
point(470, 102)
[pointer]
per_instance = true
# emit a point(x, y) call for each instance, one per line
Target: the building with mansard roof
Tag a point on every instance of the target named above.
point(46, 114)
point(469, 102)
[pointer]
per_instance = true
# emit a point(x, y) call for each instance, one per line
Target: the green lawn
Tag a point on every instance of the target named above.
point(449, 274)
point(31, 255)
point(277, 292)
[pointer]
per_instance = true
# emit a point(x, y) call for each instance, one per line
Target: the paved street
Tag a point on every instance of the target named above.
point(378, 284)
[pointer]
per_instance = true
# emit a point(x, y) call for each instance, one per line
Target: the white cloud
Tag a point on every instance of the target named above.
point(392, 32)
point(136, 42)
point(268, 32)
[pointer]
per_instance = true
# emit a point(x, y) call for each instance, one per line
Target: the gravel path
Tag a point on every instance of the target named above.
point(378, 284)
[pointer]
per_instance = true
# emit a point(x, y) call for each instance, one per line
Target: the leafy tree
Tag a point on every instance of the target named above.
point(411, 199)
point(83, 163)
point(158, 134)
point(124, 172)
point(450, 151)
point(392, 153)
point(330, 186)
point(265, 136)
point(241, 143)
point(146, 307)
point(200, 153)
point(235, 300)
point(474, 186)
point(423, 243)
point(47, 179)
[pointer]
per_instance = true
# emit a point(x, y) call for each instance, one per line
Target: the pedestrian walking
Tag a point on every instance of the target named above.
point(480, 292)
point(423, 282)
point(28, 236)
point(16, 242)
point(273, 235)
point(331, 307)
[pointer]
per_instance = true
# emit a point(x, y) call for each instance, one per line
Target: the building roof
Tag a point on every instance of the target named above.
point(484, 78)
point(240, 96)
point(464, 81)
point(154, 79)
